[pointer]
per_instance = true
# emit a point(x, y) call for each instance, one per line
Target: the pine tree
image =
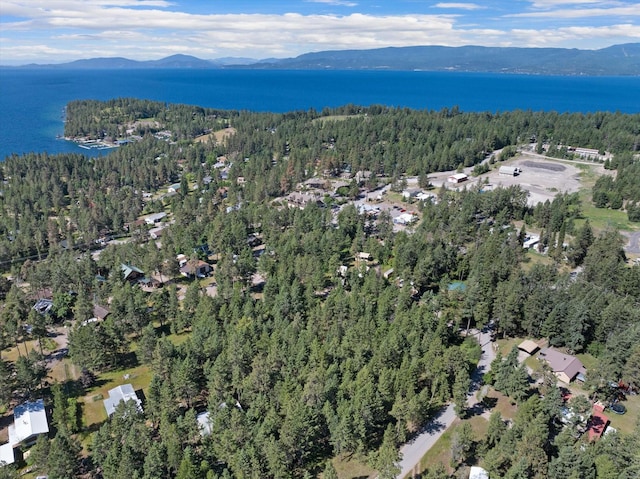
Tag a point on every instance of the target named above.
point(63, 457)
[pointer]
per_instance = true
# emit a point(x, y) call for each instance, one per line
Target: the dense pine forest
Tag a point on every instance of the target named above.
point(304, 350)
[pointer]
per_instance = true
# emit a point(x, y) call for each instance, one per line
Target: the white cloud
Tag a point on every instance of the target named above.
point(338, 3)
point(80, 29)
point(460, 6)
point(628, 11)
point(565, 36)
point(556, 3)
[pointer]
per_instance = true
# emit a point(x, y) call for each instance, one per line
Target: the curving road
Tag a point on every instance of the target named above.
point(413, 451)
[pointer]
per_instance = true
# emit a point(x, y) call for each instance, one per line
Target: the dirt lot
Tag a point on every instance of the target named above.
point(542, 177)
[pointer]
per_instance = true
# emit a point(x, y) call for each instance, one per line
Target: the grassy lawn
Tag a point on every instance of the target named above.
point(626, 422)
point(92, 402)
point(502, 405)
point(600, 218)
point(587, 360)
point(178, 339)
point(533, 257)
point(533, 363)
point(351, 467)
point(441, 450)
point(25, 347)
point(603, 218)
point(506, 345)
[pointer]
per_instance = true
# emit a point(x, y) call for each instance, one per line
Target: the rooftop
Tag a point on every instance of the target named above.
point(29, 420)
point(562, 363)
point(6, 454)
point(118, 394)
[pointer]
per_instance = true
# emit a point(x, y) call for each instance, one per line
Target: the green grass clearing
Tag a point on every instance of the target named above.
point(351, 467)
point(93, 408)
point(626, 422)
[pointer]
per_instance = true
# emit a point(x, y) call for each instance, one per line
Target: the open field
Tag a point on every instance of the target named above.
point(93, 409)
point(218, 136)
point(351, 467)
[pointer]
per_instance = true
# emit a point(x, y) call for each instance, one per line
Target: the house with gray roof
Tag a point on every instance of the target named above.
point(120, 394)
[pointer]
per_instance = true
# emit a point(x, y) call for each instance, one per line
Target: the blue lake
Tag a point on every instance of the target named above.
point(32, 100)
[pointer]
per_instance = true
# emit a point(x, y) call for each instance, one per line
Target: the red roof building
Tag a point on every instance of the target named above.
point(596, 425)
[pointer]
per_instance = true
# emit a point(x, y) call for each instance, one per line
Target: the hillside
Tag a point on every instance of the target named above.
point(614, 60)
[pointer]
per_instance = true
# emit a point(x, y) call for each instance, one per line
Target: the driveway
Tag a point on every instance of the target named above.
point(413, 451)
point(634, 242)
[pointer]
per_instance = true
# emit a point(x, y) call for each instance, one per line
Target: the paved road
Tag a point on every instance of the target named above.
point(413, 451)
point(634, 242)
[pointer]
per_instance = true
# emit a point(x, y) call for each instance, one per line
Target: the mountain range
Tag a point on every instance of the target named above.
point(615, 60)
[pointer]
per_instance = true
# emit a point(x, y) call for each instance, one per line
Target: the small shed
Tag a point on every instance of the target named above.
point(596, 425)
point(476, 472)
point(100, 312)
point(6, 454)
point(528, 346)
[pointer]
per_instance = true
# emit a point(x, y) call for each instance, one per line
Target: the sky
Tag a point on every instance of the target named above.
point(57, 31)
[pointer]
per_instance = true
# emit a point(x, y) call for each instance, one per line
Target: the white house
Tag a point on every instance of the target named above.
point(29, 421)
point(530, 241)
point(154, 218)
point(410, 193)
point(404, 219)
point(204, 423)
point(120, 394)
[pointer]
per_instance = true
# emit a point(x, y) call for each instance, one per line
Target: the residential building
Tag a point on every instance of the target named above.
point(120, 394)
point(564, 366)
point(29, 421)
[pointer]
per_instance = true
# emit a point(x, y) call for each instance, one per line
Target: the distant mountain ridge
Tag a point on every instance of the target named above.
point(178, 61)
point(615, 60)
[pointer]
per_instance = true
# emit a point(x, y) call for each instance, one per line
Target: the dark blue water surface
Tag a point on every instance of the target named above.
point(32, 101)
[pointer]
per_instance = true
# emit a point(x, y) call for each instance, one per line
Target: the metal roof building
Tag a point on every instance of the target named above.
point(30, 420)
point(120, 394)
point(6, 455)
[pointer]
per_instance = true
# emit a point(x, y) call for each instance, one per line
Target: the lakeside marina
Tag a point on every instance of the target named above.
point(92, 144)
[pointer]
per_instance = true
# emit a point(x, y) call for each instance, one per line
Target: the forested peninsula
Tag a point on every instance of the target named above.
point(298, 295)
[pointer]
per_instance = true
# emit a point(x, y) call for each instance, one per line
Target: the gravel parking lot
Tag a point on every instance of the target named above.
point(543, 178)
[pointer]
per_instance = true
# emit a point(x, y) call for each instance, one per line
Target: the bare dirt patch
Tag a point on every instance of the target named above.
point(542, 179)
point(218, 136)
